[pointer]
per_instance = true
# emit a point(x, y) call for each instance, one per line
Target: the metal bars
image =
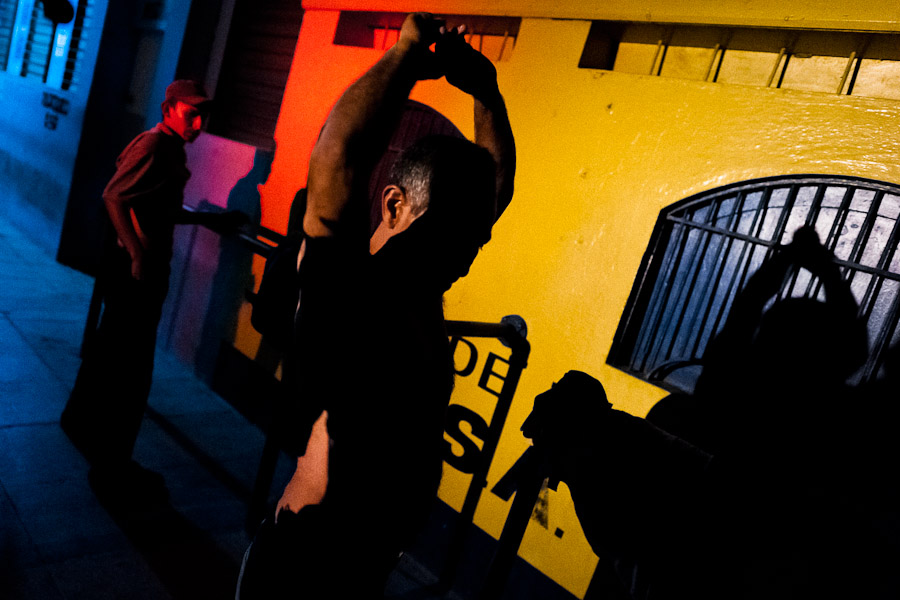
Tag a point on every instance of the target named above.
point(515, 339)
point(7, 22)
point(707, 247)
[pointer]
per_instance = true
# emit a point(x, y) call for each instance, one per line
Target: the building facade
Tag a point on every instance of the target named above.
point(624, 115)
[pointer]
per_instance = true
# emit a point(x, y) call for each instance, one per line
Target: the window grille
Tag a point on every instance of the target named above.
point(39, 45)
point(33, 47)
point(7, 23)
point(705, 248)
point(84, 16)
point(836, 62)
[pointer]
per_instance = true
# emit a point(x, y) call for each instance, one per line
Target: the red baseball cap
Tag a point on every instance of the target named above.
point(187, 91)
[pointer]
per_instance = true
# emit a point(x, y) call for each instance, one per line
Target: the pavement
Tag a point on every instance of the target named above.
point(56, 539)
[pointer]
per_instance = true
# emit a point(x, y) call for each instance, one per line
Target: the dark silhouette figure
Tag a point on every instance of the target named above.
point(642, 496)
point(761, 484)
point(373, 358)
point(878, 488)
point(275, 303)
point(777, 362)
point(298, 209)
point(234, 270)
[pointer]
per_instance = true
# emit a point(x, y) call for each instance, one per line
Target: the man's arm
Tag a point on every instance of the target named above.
point(132, 173)
point(492, 131)
point(474, 74)
point(228, 221)
point(359, 124)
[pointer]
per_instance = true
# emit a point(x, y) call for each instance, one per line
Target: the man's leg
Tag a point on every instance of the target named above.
point(106, 408)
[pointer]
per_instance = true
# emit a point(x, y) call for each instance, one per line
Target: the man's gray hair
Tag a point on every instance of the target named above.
point(452, 160)
point(415, 179)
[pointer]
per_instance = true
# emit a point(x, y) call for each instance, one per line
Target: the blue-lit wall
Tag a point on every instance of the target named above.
point(58, 146)
point(41, 127)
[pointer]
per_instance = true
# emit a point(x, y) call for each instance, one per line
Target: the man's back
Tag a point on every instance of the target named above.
point(375, 355)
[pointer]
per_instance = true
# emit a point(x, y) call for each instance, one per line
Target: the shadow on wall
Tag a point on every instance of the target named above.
point(234, 269)
point(772, 480)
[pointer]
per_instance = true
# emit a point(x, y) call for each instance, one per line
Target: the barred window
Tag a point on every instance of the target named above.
point(81, 27)
point(7, 22)
point(704, 249)
point(34, 47)
point(38, 45)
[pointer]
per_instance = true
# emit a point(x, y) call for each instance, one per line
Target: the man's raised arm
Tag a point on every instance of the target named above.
point(359, 125)
point(474, 74)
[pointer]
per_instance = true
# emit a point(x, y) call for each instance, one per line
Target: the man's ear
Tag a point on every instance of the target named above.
point(393, 205)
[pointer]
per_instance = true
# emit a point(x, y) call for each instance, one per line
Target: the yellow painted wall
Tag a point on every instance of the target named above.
point(600, 154)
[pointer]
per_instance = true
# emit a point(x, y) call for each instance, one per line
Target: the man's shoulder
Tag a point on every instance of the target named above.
point(151, 141)
point(327, 257)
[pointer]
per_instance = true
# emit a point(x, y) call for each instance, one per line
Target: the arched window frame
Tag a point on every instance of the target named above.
point(705, 247)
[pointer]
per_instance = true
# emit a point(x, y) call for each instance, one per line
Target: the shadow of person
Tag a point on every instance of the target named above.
point(234, 272)
point(275, 304)
point(777, 362)
point(772, 403)
point(644, 498)
point(186, 559)
point(753, 486)
point(877, 488)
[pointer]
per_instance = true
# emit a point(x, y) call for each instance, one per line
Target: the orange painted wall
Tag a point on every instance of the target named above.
point(320, 73)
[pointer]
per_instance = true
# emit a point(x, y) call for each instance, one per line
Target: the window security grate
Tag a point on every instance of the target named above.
point(84, 16)
point(706, 247)
point(33, 47)
point(7, 22)
point(39, 45)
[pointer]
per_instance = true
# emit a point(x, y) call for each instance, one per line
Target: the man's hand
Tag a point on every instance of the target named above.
point(418, 33)
point(466, 68)
point(359, 127)
point(473, 73)
point(808, 252)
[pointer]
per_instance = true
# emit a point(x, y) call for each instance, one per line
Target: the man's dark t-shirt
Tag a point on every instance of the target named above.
point(373, 352)
point(151, 174)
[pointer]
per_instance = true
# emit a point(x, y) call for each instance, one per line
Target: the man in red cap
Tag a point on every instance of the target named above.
point(144, 201)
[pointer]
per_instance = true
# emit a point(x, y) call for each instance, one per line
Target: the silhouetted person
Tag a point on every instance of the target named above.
point(375, 370)
point(877, 488)
point(298, 210)
point(773, 401)
point(766, 492)
point(776, 369)
point(645, 498)
point(144, 202)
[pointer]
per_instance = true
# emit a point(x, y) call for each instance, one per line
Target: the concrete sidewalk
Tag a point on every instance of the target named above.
point(56, 540)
